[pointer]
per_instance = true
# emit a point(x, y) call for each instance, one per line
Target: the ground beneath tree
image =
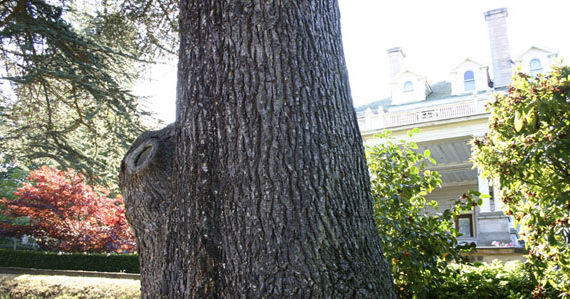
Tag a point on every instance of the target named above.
point(57, 286)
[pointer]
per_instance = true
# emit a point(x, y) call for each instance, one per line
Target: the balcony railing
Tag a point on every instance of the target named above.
point(370, 121)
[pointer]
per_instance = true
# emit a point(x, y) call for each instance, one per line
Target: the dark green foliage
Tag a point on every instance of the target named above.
point(157, 24)
point(70, 261)
point(528, 149)
point(11, 177)
point(495, 280)
point(65, 93)
point(418, 245)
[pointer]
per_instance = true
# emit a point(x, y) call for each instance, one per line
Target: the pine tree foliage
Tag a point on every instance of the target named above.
point(64, 89)
point(157, 26)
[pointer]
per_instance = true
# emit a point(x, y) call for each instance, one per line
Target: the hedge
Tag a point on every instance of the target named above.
point(128, 262)
point(489, 280)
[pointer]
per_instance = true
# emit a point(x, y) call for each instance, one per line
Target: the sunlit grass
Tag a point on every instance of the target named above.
point(53, 286)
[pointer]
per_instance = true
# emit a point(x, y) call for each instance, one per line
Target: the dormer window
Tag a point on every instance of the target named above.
point(535, 67)
point(408, 86)
point(469, 81)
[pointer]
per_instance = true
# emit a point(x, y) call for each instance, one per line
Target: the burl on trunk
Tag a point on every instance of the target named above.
point(260, 189)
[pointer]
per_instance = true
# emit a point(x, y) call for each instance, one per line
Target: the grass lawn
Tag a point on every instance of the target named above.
point(53, 286)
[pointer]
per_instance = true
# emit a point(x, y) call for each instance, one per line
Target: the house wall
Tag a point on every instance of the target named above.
point(495, 227)
point(505, 254)
point(446, 196)
point(487, 227)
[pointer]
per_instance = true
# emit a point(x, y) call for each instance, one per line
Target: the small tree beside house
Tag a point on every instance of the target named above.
point(528, 149)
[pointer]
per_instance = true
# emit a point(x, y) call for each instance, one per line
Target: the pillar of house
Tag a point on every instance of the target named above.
point(483, 186)
point(381, 117)
point(368, 122)
point(497, 195)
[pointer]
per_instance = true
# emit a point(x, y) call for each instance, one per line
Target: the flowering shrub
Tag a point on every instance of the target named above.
point(528, 150)
point(67, 214)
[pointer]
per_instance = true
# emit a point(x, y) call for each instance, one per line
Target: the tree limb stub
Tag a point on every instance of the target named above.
point(145, 181)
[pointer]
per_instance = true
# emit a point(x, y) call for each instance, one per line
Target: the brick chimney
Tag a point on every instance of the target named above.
point(499, 40)
point(396, 56)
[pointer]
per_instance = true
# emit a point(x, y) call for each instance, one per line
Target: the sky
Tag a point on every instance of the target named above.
point(435, 35)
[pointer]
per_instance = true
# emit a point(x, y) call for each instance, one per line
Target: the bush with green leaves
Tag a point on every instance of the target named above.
point(528, 149)
point(418, 245)
point(11, 178)
point(487, 280)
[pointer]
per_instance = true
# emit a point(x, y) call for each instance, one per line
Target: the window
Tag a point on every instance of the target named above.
point(469, 80)
point(464, 225)
point(535, 67)
point(408, 86)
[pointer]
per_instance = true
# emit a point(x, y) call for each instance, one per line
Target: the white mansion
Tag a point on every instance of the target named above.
point(449, 115)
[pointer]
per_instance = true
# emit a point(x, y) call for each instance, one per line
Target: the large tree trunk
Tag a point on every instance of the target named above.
point(270, 192)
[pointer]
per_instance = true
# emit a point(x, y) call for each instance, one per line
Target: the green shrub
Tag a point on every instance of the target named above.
point(418, 245)
point(70, 261)
point(528, 150)
point(495, 280)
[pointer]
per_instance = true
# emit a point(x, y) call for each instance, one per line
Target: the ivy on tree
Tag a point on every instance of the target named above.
point(528, 149)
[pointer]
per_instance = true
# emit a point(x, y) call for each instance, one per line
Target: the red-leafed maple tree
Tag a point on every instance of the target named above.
point(68, 214)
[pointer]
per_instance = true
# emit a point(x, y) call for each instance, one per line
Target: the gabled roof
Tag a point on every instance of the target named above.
point(440, 90)
point(463, 61)
point(405, 71)
point(374, 105)
point(539, 48)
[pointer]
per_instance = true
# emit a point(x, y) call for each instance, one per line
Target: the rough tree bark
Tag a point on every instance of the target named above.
point(268, 194)
point(146, 184)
